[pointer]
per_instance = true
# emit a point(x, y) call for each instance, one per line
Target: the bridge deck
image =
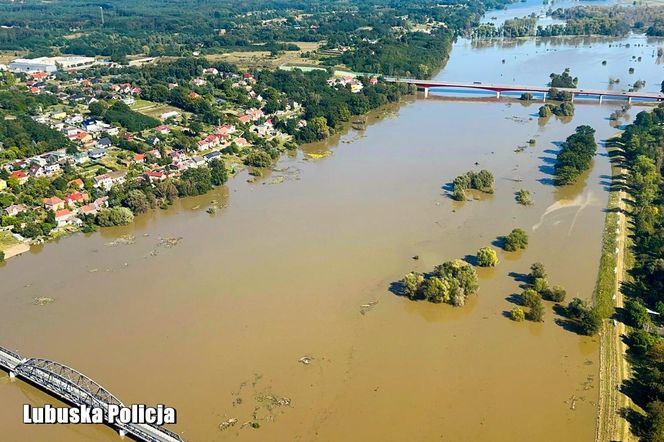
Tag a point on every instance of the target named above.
point(8, 359)
point(525, 88)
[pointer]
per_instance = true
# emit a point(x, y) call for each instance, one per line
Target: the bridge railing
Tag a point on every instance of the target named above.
point(10, 353)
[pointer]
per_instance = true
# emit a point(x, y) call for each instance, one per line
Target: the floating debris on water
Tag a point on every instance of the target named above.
point(123, 240)
point(306, 360)
point(169, 242)
point(227, 424)
point(42, 300)
point(366, 308)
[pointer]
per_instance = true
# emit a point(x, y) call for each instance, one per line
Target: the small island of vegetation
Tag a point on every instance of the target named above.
point(482, 181)
point(575, 155)
point(451, 282)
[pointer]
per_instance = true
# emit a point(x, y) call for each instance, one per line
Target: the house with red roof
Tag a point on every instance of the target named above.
point(76, 198)
point(155, 175)
point(20, 175)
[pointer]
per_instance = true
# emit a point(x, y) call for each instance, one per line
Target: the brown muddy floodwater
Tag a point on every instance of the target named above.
point(216, 324)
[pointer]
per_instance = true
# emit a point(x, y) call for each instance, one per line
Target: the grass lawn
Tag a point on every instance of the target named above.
point(7, 240)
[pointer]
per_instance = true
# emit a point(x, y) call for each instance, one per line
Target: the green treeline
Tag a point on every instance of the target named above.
point(120, 113)
point(576, 155)
point(385, 36)
point(326, 108)
point(641, 146)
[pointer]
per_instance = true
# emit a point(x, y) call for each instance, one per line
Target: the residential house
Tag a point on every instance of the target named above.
point(20, 175)
point(36, 170)
point(110, 179)
point(15, 209)
point(51, 169)
point(139, 158)
point(155, 175)
point(104, 143)
point(64, 217)
point(89, 209)
point(76, 198)
point(97, 154)
point(54, 203)
point(163, 129)
point(77, 183)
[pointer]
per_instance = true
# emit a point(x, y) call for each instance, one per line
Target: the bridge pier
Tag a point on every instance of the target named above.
point(600, 99)
point(629, 100)
point(543, 97)
point(122, 433)
point(426, 92)
point(12, 375)
point(572, 98)
point(497, 94)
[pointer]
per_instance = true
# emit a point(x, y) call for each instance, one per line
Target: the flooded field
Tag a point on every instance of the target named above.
point(259, 312)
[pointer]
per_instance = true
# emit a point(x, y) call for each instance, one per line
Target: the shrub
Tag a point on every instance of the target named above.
point(115, 216)
point(258, 159)
point(517, 314)
point(536, 312)
point(536, 271)
point(530, 297)
point(523, 197)
point(486, 257)
point(555, 294)
point(517, 239)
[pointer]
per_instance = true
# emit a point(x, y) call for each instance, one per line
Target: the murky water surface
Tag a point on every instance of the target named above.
point(215, 325)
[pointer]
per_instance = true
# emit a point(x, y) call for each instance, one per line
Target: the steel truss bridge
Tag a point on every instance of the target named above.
point(72, 387)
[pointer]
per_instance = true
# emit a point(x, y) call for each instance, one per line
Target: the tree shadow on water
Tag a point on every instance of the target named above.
point(564, 321)
point(518, 277)
point(471, 259)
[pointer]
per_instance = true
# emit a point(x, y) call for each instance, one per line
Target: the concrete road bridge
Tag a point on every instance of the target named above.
point(427, 85)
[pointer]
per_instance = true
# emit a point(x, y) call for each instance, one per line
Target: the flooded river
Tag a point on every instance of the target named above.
point(216, 324)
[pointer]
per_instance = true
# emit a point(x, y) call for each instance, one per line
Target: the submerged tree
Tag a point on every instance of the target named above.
point(516, 240)
point(486, 257)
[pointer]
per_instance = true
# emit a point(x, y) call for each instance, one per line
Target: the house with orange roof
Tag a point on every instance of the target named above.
point(77, 183)
point(54, 203)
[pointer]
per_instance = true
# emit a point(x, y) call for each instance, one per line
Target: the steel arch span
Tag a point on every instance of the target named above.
point(67, 382)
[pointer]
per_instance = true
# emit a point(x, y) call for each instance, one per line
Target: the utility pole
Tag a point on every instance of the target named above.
point(102, 15)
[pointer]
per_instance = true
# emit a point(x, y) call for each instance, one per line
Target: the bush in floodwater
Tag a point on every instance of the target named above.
point(487, 257)
point(536, 312)
point(517, 314)
point(524, 198)
point(530, 297)
point(526, 96)
point(555, 294)
point(517, 239)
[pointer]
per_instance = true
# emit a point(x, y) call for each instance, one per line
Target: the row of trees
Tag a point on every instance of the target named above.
point(641, 145)
point(576, 155)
